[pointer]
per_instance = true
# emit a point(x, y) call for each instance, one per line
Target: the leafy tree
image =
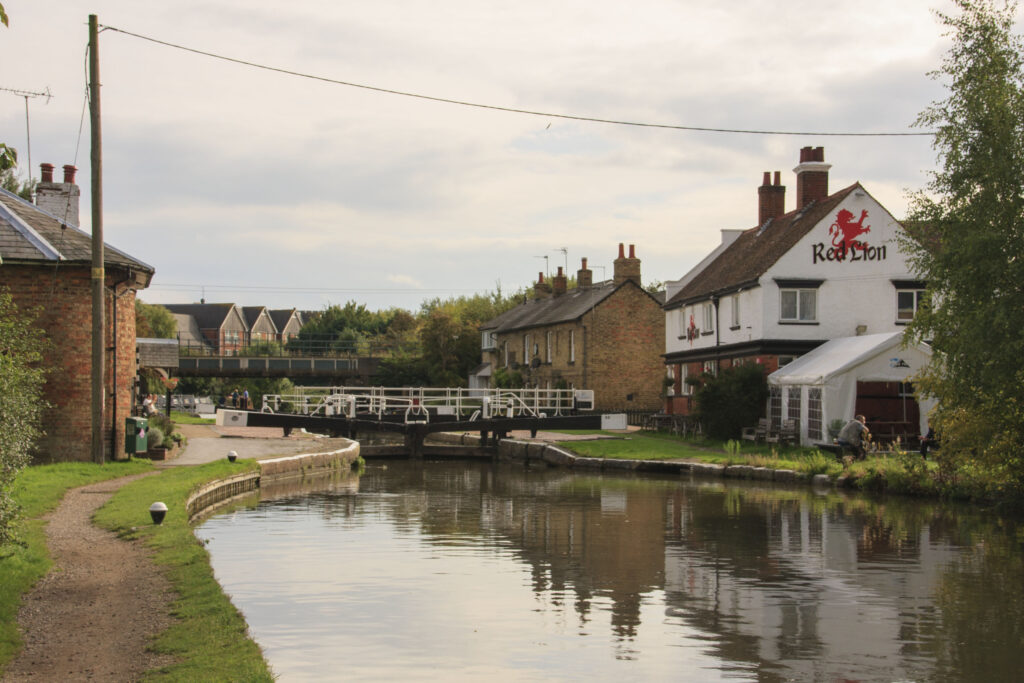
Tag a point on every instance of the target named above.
point(21, 404)
point(8, 178)
point(731, 400)
point(3, 16)
point(967, 243)
point(154, 321)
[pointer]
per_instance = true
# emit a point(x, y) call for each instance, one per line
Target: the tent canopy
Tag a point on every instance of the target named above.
point(834, 370)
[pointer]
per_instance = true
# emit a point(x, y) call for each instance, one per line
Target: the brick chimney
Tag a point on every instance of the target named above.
point(811, 176)
point(541, 290)
point(559, 283)
point(627, 268)
point(58, 199)
point(771, 198)
point(584, 276)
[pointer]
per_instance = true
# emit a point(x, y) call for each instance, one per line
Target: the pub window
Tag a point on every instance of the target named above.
point(907, 303)
point(798, 305)
point(709, 317)
point(547, 355)
point(572, 346)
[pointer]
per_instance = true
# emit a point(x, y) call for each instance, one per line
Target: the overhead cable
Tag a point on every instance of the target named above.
point(432, 98)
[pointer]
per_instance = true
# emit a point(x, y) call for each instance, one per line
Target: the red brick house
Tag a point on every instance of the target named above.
point(46, 263)
point(288, 322)
point(606, 336)
point(222, 326)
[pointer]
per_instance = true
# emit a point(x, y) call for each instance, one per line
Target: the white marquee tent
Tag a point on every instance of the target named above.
point(822, 385)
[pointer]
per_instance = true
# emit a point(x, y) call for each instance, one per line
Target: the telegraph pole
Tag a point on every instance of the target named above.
point(98, 276)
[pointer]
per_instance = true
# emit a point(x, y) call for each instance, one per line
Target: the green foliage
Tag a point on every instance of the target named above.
point(504, 378)
point(154, 437)
point(21, 403)
point(403, 371)
point(732, 400)
point(154, 321)
point(8, 177)
point(967, 243)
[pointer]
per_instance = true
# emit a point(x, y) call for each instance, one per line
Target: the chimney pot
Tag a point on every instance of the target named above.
point(46, 171)
point(69, 173)
point(778, 178)
point(632, 251)
point(767, 179)
point(584, 276)
point(622, 251)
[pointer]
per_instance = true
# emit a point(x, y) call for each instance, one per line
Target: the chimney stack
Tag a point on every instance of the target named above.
point(811, 176)
point(559, 283)
point(584, 276)
point(627, 268)
point(541, 290)
point(58, 199)
point(771, 198)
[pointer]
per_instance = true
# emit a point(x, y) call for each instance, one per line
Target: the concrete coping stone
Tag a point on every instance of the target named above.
point(821, 480)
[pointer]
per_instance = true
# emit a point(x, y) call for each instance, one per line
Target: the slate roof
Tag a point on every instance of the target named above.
point(207, 316)
point(281, 316)
point(188, 330)
point(756, 250)
point(30, 235)
point(252, 314)
point(554, 310)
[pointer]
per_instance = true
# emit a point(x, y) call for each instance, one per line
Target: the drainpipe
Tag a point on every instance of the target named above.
point(718, 338)
point(113, 365)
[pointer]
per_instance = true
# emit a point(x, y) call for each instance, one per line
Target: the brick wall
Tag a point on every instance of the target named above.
point(64, 297)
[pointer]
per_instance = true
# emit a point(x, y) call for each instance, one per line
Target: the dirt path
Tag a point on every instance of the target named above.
point(92, 616)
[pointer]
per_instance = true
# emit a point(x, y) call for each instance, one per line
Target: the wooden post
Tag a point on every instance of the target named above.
point(97, 275)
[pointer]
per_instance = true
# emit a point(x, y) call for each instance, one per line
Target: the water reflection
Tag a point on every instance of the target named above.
point(462, 570)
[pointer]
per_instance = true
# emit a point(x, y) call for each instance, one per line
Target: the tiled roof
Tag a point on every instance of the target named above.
point(207, 316)
point(281, 316)
point(553, 310)
point(30, 235)
point(252, 314)
point(756, 250)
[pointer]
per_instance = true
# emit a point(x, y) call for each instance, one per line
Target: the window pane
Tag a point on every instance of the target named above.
point(807, 301)
point(905, 304)
point(788, 298)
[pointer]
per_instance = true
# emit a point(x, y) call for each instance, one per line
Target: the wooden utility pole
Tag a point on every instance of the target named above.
point(98, 275)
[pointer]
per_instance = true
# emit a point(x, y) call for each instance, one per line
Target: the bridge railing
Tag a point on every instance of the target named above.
point(457, 402)
point(304, 348)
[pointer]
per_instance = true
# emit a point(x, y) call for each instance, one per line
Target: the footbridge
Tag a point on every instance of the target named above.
point(418, 412)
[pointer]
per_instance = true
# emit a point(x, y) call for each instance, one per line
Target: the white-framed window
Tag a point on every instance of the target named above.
point(709, 317)
point(547, 351)
point(684, 388)
point(572, 346)
point(488, 340)
point(526, 348)
point(505, 345)
point(735, 300)
point(798, 305)
point(907, 303)
point(711, 367)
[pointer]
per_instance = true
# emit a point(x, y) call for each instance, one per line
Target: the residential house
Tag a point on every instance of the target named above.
point(604, 336)
point(261, 325)
point(831, 267)
point(288, 322)
point(222, 326)
point(46, 264)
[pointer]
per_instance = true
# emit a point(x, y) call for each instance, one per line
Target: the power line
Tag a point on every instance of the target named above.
point(493, 107)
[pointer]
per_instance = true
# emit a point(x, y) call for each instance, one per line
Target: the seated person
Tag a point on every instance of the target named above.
point(854, 434)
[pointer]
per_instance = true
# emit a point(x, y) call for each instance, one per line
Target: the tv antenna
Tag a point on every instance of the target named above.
point(28, 133)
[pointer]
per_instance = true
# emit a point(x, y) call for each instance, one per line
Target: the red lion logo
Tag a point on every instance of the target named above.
point(844, 231)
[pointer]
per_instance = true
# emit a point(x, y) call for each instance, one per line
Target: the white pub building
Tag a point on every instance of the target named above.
point(831, 268)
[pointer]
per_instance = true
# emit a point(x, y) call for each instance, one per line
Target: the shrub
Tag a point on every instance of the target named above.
point(154, 437)
point(732, 400)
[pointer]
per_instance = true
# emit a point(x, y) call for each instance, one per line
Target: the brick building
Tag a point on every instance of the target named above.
point(832, 267)
point(606, 336)
point(222, 327)
point(46, 263)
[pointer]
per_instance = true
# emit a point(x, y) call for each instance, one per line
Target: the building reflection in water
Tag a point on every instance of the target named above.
point(778, 583)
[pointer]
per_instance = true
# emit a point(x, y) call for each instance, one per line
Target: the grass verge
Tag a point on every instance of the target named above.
point(210, 638)
point(185, 419)
point(38, 490)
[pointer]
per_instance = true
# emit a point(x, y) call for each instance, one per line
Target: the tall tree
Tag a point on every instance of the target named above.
point(154, 321)
point(967, 243)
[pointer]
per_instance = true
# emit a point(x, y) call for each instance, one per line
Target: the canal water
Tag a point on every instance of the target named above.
point(473, 571)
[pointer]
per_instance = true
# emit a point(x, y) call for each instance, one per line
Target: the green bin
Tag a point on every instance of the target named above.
point(135, 431)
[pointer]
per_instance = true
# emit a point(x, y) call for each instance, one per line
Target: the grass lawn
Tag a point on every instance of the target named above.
point(38, 490)
point(210, 639)
point(186, 419)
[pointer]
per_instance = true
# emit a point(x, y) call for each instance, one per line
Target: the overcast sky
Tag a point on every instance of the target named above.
point(261, 188)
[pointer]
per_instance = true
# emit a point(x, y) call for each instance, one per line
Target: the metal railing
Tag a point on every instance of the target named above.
point(304, 348)
point(417, 403)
